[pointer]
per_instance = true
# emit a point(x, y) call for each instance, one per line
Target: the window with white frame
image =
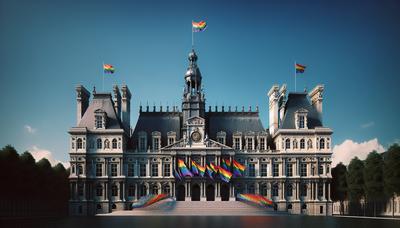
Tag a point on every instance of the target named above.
point(236, 142)
point(262, 143)
point(114, 170)
point(320, 169)
point(309, 144)
point(171, 137)
point(264, 170)
point(252, 170)
point(79, 144)
point(249, 143)
point(154, 169)
point(114, 143)
point(131, 190)
point(171, 140)
point(301, 121)
point(275, 190)
point(275, 169)
point(303, 169)
point(131, 170)
point(99, 143)
point(322, 143)
point(301, 118)
point(167, 170)
point(302, 144)
point(289, 169)
point(156, 143)
point(99, 121)
point(142, 169)
point(289, 190)
point(287, 144)
point(99, 170)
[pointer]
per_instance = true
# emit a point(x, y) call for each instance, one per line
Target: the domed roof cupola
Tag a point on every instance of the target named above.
point(193, 75)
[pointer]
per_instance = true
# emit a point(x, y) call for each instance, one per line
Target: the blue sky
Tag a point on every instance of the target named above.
point(48, 47)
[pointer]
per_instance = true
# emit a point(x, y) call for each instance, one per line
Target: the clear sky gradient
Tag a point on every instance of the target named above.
point(48, 47)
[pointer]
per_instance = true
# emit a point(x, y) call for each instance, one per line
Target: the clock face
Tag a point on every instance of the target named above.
point(196, 136)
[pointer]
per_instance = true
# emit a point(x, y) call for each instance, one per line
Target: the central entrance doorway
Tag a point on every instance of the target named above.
point(180, 193)
point(225, 192)
point(195, 192)
point(210, 192)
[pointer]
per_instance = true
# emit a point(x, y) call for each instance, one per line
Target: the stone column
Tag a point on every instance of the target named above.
point(71, 190)
point(329, 191)
point(105, 191)
point(123, 191)
point(297, 190)
point(324, 191)
point(148, 167)
point(137, 191)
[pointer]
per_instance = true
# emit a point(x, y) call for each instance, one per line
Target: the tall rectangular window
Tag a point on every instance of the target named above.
point(237, 143)
point(99, 170)
point(275, 170)
point(289, 170)
point(262, 143)
point(142, 169)
point(303, 190)
point(303, 169)
point(263, 170)
point(320, 170)
point(249, 144)
point(167, 170)
point(252, 170)
point(221, 140)
point(154, 169)
point(142, 144)
point(131, 190)
point(301, 121)
point(156, 144)
point(114, 170)
point(99, 121)
point(320, 189)
point(171, 140)
point(131, 170)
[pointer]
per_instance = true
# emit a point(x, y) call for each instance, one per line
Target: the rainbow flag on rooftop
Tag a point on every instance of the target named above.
point(108, 68)
point(199, 26)
point(300, 68)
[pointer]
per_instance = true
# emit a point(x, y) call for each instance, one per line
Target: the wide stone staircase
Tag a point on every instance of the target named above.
point(199, 208)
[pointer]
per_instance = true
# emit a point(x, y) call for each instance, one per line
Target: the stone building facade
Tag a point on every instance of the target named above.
point(113, 165)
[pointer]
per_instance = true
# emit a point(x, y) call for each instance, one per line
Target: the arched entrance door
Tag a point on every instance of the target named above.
point(195, 192)
point(225, 192)
point(210, 192)
point(180, 193)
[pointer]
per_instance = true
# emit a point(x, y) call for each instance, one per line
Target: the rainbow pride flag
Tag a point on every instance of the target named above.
point(148, 200)
point(257, 199)
point(238, 168)
point(195, 169)
point(184, 170)
point(202, 170)
point(225, 174)
point(108, 69)
point(199, 26)
point(177, 175)
point(209, 172)
point(228, 162)
point(213, 168)
point(300, 68)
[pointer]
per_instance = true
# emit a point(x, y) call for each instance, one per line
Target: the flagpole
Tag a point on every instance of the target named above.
point(103, 74)
point(295, 77)
point(192, 36)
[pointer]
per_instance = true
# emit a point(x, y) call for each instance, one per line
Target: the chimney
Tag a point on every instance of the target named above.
point(273, 95)
point(82, 102)
point(316, 98)
point(126, 107)
point(117, 101)
point(282, 103)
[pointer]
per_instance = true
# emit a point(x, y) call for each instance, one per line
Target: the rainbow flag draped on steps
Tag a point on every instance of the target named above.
point(199, 26)
point(108, 69)
point(149, 200)
point(300, 68)
point(195, 169)
point(202, 170)
point(184, 170)
point(225, 174)
point(238, 168)
point(257, 199)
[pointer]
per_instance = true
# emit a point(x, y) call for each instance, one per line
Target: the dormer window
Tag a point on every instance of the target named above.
point(237, 140)
point(171, 136)
point(156, 140)
point(100, 119)
point(221, 137)
point(301, 118)
point(142, 143)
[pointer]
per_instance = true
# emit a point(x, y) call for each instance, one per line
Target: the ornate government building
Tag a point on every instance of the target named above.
point(113, 165)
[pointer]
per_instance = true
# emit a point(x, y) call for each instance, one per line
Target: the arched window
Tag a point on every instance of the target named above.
point(263, 190)
point(302, 144)
point(166, 189)
point(287, 142)
point(309, 144)
point(79, 143)
point(275, 190)
point(114, 190)
point(114, 143)
point(289, 190)
point(99, 190)
point(295, 144)
point(322, 144)
point(99, 144)
point(154, 190)
point(106, 144)
point(80, 170)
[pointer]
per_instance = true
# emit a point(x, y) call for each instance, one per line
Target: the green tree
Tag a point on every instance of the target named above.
point(373, 178)
point(391, 171)
point(355, 183)
point(339, 185)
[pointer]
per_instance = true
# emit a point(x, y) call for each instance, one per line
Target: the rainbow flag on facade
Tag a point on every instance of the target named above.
point(184, 170)
point(209, 172)
point(213, 167)
point(199, 26)
point(300, 68)
point(226, 164)
point(108, 69)
point(195, 169)
point(225, 174)
point(177, 175)
point(238, 168)
point(202, 170)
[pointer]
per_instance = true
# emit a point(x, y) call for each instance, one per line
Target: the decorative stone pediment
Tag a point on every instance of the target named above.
point(195, 121)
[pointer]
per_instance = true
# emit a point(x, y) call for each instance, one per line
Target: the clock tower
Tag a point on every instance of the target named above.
point(193, 100)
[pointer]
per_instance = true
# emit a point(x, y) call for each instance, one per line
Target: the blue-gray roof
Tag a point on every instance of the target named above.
point(295, 102)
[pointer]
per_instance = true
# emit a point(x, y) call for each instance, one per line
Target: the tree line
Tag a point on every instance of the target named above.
point(31, 188)
point(368, 185)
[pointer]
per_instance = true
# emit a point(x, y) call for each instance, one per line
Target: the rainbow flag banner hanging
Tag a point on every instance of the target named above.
point(184, 170)
point(228, 163)
point(238, 168)
point(209, 172)
point(300, 68)
point(257, 199)
point(177, 175)
point(225, 174)
point(202, 170)
point(199, 26)
point(149, 200)
point(195, 169)
point(213, 167)
point(108, 69)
